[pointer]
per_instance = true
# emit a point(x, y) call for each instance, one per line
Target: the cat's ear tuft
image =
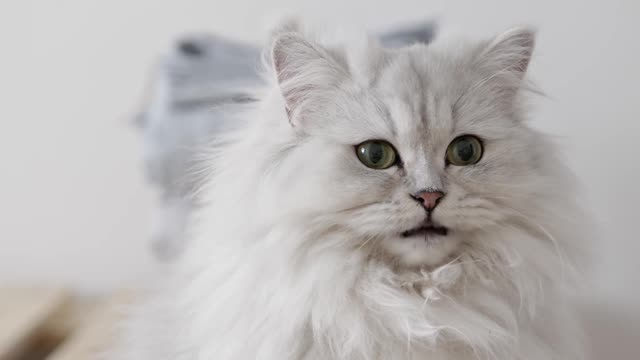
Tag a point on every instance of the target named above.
point(303, 70)
point(288, 25)
point(510, 52)
point(502, 63)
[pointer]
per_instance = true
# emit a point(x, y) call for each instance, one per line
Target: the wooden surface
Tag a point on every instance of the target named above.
point(24, 315)
point(44, 324)
point(96, 331)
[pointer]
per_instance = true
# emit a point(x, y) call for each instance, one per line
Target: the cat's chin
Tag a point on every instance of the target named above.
point(429, 246)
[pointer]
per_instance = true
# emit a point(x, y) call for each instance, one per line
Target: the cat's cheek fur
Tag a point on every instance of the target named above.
point(321, 177)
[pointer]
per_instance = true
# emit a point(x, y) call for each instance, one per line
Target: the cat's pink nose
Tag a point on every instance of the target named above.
point(428, 198)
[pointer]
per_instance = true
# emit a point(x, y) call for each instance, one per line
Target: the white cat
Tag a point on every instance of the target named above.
point(378, 205)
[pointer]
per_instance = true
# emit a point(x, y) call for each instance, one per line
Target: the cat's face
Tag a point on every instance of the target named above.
point(414, 152)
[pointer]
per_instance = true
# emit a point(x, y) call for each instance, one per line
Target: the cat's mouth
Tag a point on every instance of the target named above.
point(426, 229)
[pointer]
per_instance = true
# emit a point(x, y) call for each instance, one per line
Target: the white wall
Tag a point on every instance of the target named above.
point(74, 208)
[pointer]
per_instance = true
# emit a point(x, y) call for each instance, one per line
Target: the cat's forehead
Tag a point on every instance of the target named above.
point(419, 88)
point(414, 72)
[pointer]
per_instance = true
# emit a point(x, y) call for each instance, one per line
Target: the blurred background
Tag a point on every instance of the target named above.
point(76, 209)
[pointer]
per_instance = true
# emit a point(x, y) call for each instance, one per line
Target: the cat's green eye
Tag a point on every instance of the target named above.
point(376, 154)
point(464, 150)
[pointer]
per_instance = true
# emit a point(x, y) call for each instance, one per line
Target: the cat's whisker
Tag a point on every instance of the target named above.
point(556, 214)
point(549, 236)
point(366, 242)
point(494, 183)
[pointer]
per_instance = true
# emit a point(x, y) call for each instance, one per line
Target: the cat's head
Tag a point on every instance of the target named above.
point(414, 152)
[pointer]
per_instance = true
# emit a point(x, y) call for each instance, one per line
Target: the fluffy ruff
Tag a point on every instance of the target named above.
point(284, 264)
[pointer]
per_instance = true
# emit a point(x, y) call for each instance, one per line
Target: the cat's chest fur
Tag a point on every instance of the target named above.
point(364, 311)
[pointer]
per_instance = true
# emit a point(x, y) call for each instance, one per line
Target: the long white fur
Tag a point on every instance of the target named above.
point(297, 253)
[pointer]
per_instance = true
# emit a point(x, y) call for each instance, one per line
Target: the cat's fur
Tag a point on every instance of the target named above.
point(298, 254)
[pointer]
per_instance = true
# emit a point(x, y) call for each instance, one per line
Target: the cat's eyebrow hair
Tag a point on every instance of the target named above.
point(422, 90)
point(381, 108)
point(385, 114)
point(455, 108)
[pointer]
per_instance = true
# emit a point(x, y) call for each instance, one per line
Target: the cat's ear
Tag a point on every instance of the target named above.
point(304, 71)
point(510, 52)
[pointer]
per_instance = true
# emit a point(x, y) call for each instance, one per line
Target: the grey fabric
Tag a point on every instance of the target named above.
point(199, 72)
